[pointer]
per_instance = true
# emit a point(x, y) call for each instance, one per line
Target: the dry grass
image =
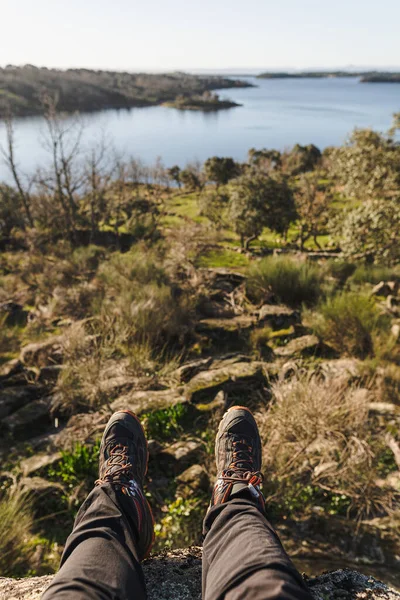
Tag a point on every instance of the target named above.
point(15, 527)
point(317, 437)
point(143, 321)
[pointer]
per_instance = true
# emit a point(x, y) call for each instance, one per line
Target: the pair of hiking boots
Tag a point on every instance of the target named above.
point(124, 457)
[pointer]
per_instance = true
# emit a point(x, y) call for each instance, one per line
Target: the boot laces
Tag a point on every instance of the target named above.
point(118, 465)
point(241, 469)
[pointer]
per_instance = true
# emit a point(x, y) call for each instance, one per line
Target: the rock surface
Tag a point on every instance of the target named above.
point(176, 575)
point(307, 345)
point(204, 386)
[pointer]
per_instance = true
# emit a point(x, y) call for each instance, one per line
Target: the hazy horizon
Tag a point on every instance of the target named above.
point(218, 35)
point(223, 70)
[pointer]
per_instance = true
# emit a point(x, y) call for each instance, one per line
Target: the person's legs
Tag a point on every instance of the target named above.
point(242, 555)
point(113, 530)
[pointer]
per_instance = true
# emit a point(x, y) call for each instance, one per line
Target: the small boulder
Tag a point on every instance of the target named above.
point(307, 345)
point(215, 310)
point(37, 462)
point(40, 487)
point(14, 313)
point(222, 279)
point(232, 333)
point(393, 304)
point(239, 377)
point(46, 496)
point(149, 400)
point(9, 369)
point(395, 331)
point(14, 398)
point(49, 375)
point(277, 316)
point(184, 373)
point(41, 354)
point(193, 481)
point(182, 454)
point(386, 288)
point(346, 370)
point(29, 420)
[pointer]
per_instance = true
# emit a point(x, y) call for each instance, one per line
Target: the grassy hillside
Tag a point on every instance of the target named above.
point(273, 284)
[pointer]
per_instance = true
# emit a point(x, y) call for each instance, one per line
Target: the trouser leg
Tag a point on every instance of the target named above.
point(243, 557)
point(100, 561)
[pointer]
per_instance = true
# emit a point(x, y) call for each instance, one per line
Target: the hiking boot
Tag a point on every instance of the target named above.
point(123, 463)
point(238, 458)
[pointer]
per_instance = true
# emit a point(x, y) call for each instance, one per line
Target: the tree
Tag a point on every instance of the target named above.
point(372, 231)
point(66, 178)
point(213, 205)
point(301, 159)
point(174, 173)
point(266, 160)
point(367, 166)
point(9, 156)
point(312, 203)
point(257, 201)
point(221, 170)
point(190, 180)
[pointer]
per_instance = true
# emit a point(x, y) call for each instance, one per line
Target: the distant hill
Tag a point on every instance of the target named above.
point(364, 76)
point(23, 88)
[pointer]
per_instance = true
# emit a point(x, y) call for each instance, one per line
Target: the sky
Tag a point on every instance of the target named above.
point(208, 34)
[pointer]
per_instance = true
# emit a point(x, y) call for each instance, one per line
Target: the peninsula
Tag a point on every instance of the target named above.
point(22, 89)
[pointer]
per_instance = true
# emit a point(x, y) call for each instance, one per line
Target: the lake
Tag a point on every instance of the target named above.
point(276, 114)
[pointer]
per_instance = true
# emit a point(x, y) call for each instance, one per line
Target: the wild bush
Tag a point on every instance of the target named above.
point(341, 270)
point(348, 321)
point(319, 449)
point(285, 280)
point(181, 527)
point(166, 423)
point(76, 467)
point(16, 520)
point(145, 305)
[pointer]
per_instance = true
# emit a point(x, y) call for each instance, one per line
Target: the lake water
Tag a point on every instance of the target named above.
point(276, 114)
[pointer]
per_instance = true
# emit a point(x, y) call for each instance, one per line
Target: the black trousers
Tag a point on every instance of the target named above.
point(242, 555)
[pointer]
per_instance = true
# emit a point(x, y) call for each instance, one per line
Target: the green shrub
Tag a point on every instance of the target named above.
point(286, 280)
point(77, 465)
point(86, 259)
point(181, 527)
point(348, 322)
point(165, 423)
point(340, 270)
point(16, 520)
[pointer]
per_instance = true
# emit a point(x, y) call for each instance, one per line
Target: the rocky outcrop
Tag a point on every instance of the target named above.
point(243, 375)
point(307, 345)
point(48, 352)
point(176, 575)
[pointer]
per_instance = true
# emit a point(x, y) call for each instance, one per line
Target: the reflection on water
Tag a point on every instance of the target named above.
point(277, 114)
